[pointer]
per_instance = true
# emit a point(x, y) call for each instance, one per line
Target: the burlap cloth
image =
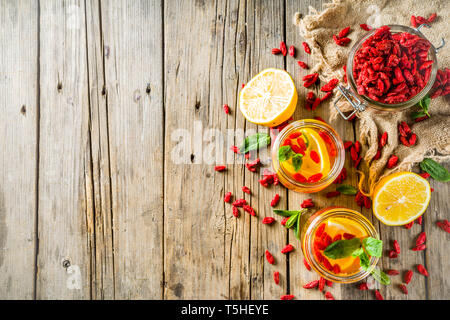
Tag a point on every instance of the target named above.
point(433, 134)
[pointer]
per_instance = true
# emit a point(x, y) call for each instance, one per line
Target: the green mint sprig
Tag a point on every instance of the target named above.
point(424, 104)
point(254, 142)
point(294, 219)
point(436, 171)
point(362, 249)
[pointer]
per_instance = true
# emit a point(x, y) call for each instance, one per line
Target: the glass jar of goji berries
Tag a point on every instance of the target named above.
point(308, 155)
point(390, 69)
point(336, 223)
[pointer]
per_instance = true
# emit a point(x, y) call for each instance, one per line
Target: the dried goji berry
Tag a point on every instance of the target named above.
point(329, 296)
point(419, 220)
point(393, 254)
point(269, 257)
point(308, 203)
point(363, 286)
point(321, 283)
point(276, 277)
point(444, 225)
point(421, 238)
point(326, 96)
point(378, 295)
point(392, 272)
point(227, 197)
point(287, 297)
point(283, 48)
point(422, 270)
point(412, 139)
point(392, 162)
point(365, 27)
point(226, 108)
point(396, 247)
point(348, 144)
point(239, 203)
point(298, 177)
point(383, 139)
point(302, 64)
point(249, 210)
point(292, 51)
point(276, 51)
point(330, 85)
point(409, 225)
point(425, 175)
point(246, 190)
point(408, 276)
point(306, 48)
point(328, 283)
point(344, 32)
point(235, 149)
point(287, 248)
point(314, 156)
point(403, 288)
point(420, 247)
point(332, 194)
point(311, 285)
point(377, 155)
point(283, 222)
point(268, 220)
point(235, 211)
point(275, 200)
point(353, 153)
point(220, 168)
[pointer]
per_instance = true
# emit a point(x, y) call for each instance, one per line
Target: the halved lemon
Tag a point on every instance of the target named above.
point(400, 198)
point(269, 98)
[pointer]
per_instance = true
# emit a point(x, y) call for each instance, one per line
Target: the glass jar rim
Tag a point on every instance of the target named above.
point(338, 163)
point(307, 246)
point(398, 106)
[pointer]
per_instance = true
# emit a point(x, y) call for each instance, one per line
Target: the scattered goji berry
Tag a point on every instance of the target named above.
point(392, 162)
point(308, 203)
point(306, 48)
point(283, 222)
point(354, 153)
point(403, 288)
point(235, 149)
point(268, 220)
point(321, 283)
point(392, 272)
point(329, 283)
point(329, 296)
point(332, 194)
point(420, 247)
point(269, 257)
point(422, 270)
point(326, 96)
point(292, 51)
point(226, 108)
point(302, 64)
point(378, 295)
point(239, 203)
point(276, 277)
point(409, 225)
point(330, 85)
point(249, 210)
point(276, 51)
point(287, 248)
point(311, 285)
point(396, 247)
point(393, 254)
point(419, 220)
point(365, 27)
point(363, 286)
point(421, 238)
point(220, 168)
point(235, 211)
point(344, 32)
point(246, 190)
point(425, 175)
point(444, 225)
point(347, 144)
point(275, 200)
point(287, 297)
point(283, 48)
point(227, 197)
point(383, 139)
point(408, 276)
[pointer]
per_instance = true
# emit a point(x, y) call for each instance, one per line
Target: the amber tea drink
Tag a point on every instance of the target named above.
point(308, 155)
point(329, 226)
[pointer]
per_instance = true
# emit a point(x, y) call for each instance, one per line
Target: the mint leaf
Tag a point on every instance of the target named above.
point(291, 221)
point(342, 248)
point(373, 246)
point(297, 229)
point(418, 114)
point(255, 142)
point(364, 260)
point(358, 252)
point(347, 189)
point(285, 213)
point(436, 171)
point(380, 276)
point(297, 160)
point(425, 104)
point(285, 153)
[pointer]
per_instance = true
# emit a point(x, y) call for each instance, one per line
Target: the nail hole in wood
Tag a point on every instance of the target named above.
point(66, 263)
point(103, 91)
point(197, 105)
point(192, 158)
point(148, 89)
point(59, 86)
point(23, 110)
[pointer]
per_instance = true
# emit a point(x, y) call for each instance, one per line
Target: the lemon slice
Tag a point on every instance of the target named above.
point(400, 198)
point(269, 99)
point(309, 167)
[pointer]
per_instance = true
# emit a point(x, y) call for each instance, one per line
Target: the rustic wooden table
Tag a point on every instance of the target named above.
point(93, 206)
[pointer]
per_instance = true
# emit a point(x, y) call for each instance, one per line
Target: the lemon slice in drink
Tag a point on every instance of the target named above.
point(400, 198)
point(309, 167)
point(268, 99)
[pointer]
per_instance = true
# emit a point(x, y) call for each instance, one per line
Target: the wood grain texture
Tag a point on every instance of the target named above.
point(135, 118)
point(65, 214)
point(98, 99)
point(19, 110)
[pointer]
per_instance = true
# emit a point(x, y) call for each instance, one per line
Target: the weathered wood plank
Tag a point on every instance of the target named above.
point(132, 33)
point(102, 258)
point(19, 110)
point(64, 211)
